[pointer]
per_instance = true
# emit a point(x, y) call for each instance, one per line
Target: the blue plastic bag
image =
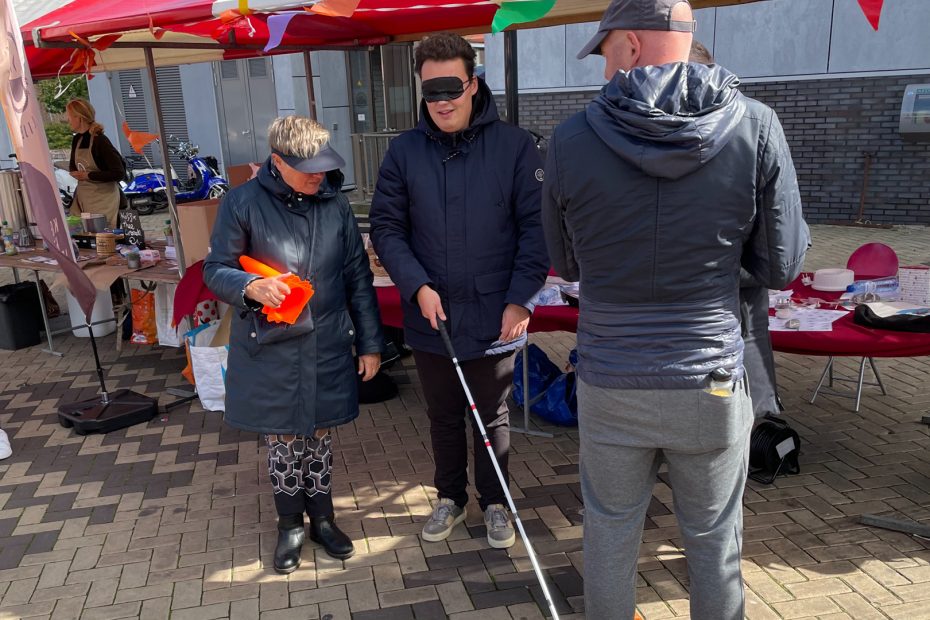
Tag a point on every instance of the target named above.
point(542, 372)
point(552, 392)
point(559, 404)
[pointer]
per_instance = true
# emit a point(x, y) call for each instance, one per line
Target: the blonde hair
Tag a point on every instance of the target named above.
point(84, 111)
point(297, 135)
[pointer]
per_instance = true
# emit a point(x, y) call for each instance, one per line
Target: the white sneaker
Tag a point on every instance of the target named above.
point(5, 449)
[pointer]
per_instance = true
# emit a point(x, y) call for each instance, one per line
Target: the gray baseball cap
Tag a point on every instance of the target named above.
point(636, 15)
point(325, 160)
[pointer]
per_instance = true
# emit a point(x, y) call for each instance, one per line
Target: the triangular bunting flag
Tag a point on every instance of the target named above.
point(872, 10)
point(519, 12)
point(138, 139)
point(334, 8)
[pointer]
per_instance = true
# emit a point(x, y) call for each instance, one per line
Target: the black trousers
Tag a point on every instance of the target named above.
point(489, 380)
point(300, 468)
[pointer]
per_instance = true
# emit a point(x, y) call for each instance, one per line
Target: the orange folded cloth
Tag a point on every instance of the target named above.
point(294, 302)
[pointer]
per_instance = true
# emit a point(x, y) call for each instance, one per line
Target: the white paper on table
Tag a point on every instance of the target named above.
point(43, 259)
point(811, 319)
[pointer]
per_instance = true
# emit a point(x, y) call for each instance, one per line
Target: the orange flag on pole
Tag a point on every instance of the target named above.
point(138, 139)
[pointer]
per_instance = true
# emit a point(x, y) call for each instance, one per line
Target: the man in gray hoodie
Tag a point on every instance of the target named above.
point(654, 197)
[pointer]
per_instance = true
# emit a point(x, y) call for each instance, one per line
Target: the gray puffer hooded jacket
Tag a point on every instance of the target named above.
point(654, 197)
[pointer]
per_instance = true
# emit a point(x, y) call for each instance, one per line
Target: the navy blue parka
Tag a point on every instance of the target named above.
point(461, 213)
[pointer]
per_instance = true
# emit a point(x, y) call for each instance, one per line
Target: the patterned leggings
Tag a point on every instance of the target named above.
point(300, 468)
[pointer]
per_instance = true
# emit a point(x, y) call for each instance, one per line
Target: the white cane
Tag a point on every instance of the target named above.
point(497, 468)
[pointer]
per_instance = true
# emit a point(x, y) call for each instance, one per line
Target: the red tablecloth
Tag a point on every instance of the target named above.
point(545, 318)
point(847, 338)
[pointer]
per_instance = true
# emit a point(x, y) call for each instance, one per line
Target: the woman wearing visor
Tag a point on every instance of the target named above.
point(294, 383)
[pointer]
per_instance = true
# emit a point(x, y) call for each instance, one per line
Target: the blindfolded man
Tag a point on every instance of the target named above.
point(455, 220)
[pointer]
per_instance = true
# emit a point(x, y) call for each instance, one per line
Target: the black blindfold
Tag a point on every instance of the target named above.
point(443, 89)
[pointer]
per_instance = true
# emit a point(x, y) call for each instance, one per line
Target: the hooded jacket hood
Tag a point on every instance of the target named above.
point(668, 120)
point(484, 112)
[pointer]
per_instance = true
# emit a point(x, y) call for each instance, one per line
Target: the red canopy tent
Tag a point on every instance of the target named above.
point(183, 31)
point(109, 35)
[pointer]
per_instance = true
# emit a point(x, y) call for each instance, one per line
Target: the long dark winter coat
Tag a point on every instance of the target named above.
point(299, 378)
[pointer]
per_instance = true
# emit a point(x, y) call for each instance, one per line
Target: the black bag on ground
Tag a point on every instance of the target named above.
point(898, 322)
point(378, 389)
point(20, 316)
point(773, 450)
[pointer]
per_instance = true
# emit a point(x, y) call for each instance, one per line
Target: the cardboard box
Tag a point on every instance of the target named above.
point(196, 221)
point(239, 174)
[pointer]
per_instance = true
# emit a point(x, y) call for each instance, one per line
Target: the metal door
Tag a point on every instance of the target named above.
point(248, 106)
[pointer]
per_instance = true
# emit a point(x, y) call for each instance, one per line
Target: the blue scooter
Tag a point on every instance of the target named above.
point(146, 191)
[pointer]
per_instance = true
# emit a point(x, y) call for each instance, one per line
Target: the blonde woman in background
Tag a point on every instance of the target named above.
point(95, 164)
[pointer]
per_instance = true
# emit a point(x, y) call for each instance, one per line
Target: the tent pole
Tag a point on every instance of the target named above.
point(311, 94)
point(166, 158)
point(511, 77)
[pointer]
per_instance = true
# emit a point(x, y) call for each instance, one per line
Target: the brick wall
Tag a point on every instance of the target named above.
point(830, 125)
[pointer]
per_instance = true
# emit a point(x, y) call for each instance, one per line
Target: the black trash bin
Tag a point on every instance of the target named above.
point(20, 316)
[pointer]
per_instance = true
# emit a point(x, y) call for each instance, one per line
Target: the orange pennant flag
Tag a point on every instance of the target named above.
point(84, 58)
point(334, 8)
point(138, 139)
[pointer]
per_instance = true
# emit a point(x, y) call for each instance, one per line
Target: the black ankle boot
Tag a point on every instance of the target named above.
point(290, 540)
point(323, 530)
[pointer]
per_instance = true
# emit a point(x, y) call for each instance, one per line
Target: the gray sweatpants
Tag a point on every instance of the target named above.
point(704, 438)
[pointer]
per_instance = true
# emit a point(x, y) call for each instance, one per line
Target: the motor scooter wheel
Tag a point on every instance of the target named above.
point(156, 202)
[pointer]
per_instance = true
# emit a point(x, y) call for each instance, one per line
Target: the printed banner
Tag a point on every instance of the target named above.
point(21, 109)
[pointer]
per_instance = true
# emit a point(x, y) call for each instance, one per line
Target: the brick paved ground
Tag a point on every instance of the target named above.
point(174, 519)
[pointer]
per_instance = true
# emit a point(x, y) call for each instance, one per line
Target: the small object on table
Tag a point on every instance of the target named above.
point(793, 324)
point(26, 240)
point(915, 283)
point(832, 279)
point(783, 309)
point(106, 244)
point(94, 223)
point(133, 260)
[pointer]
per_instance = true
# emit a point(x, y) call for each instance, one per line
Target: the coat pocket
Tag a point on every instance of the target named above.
point(266, 332)
point(490, 289)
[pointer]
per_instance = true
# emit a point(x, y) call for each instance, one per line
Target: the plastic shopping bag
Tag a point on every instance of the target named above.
point(168, 336)
point(209, 364)
point(203, 336)
point(144, 330)
point(552, 393)
point(542, 372)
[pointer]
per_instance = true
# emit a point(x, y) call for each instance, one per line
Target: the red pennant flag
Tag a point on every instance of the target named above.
point(872, 10)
